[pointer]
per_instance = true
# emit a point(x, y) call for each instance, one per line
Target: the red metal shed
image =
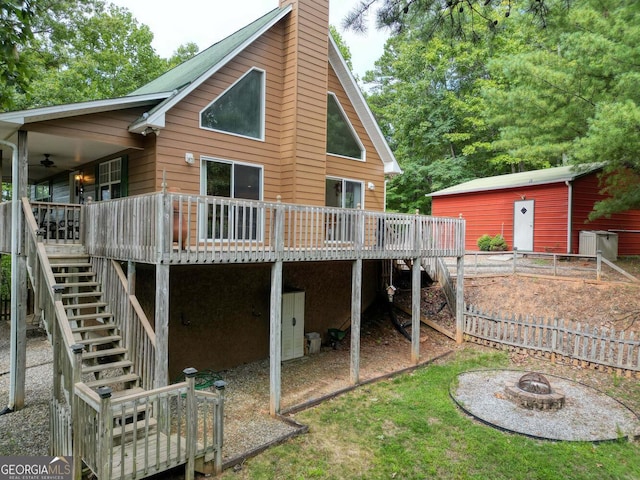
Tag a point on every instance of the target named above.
point(541, 211)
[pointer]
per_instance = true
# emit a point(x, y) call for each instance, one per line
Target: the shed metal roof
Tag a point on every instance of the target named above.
point(514, 180)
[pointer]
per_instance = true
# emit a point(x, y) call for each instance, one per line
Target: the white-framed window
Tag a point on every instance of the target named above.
point(239, 110)
point(225, 178)
point(343, 193)
point(110, 179)
point(347, 194)
point(342, 139)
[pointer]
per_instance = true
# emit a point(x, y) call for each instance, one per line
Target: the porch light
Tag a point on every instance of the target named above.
point(371, 186)
point(189, 158)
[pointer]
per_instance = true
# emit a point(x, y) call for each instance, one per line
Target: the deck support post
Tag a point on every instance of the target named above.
point(356, 310)
point(275, 314)
point(192, 423)
point(275, 334)
point(460, 299)
point(18, 339)
point(131, 278)
point(161, 376)
point(415, 310)
point(415, 291)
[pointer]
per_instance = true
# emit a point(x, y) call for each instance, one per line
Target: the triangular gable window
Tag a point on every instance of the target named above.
point(239, 110)
point(341, 136)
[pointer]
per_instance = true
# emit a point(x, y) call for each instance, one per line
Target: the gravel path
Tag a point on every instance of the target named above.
point(26, 432)
point(588, 414)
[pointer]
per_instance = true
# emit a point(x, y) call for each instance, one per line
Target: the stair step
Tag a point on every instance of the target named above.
point(75, 306)
point(100, 340)
point(78, 284)
point(106, 366)
point(90, 316)
point(107, 352)
point(128, 429)
point(127, 378)
point(95, 293)
point(71, 265)
point(73, 274)
point(60, 257)
point(94, 328)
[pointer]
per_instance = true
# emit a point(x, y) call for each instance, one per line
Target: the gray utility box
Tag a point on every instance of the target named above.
point(593, 240)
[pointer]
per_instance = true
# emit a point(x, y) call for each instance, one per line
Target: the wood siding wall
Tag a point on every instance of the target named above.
point(305, 101)
point(491, 212)
point(108, 127)
point(586, 192)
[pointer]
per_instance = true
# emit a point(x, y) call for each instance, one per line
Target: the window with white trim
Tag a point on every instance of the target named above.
point(342, 139)
point(110, 179)
point(346, 194)
point(239, 110)
point(237, 221)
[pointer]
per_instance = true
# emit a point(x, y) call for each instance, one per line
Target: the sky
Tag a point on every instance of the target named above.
point(205, 22)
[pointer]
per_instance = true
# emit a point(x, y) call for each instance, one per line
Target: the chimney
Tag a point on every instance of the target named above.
point(304, 114)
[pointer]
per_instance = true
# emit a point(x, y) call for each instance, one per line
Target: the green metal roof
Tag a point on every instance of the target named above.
point(188, 71)
point(513, 180)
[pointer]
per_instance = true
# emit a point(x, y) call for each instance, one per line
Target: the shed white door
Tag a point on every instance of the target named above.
point(523, 225)
point(292, 325)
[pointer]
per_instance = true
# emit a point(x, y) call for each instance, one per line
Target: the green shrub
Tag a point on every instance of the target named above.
point(484, 242)
point(498, 244)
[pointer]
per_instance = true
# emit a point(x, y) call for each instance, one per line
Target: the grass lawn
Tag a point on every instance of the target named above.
point(409, 428)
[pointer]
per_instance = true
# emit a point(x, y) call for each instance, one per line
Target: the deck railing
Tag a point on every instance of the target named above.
point(134, 327)
point(177, 228)
point(145, 433)
point(58, 222)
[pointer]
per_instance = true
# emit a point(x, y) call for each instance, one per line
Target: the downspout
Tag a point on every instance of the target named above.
point(569, 214)
point(15, 231)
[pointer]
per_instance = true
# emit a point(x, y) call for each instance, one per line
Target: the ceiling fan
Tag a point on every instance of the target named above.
point(46, 162)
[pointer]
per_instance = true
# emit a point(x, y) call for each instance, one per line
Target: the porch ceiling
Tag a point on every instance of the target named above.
point(67, 154)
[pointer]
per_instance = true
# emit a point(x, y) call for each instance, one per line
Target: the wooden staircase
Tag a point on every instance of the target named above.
point(105, 361)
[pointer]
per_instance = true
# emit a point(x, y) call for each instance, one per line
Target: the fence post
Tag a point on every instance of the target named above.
point(76, 438)
point(192, 419)
point(104, 436)
point(598, 264)
point(219, 428)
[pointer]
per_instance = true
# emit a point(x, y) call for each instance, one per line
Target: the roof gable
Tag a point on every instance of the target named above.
point(189, 75)
point(199, 65)
point(521, 179)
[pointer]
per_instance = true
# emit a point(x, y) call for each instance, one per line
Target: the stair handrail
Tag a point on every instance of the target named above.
point(39, 249)
point(174, 406)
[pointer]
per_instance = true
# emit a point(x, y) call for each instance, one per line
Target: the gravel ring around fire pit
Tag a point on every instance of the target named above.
point(588, 414)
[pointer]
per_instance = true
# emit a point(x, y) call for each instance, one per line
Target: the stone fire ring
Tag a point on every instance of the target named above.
point(587, 415)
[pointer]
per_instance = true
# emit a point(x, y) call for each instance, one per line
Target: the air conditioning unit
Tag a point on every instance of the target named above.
point(593, 240)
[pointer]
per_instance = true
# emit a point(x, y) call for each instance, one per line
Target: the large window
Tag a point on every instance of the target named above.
point(343, 194)
point(232, 180)
point(239, 109)
point(110, 179)
point(341, 136)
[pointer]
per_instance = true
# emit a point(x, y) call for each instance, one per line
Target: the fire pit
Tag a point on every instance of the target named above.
point(586, 415)
point(533, 391)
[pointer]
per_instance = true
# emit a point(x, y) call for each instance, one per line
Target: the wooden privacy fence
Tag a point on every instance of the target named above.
point(573, 340)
